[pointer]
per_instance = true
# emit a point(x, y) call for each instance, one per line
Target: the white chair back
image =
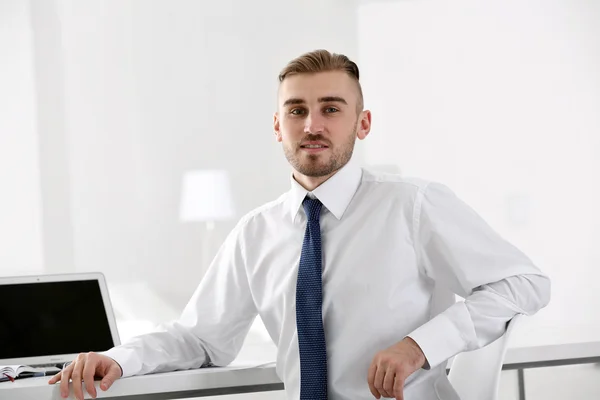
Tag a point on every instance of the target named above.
point(475, 375)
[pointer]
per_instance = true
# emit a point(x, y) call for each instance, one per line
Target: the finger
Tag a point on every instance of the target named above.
point(388, 381)
point(112, 375)
point(371, 379)
point(89, 370)
point(55, 378)
point(76, 378)
point(379, 377)
point(64, 381)
point(399, 388)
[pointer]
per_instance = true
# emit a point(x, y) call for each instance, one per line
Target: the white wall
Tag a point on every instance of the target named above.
point(153, 88)
point(21, 249)
point(53, 157)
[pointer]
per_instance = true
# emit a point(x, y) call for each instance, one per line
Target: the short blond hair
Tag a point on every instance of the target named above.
point(323, 61)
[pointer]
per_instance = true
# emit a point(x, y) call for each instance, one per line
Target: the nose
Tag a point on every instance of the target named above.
point(314, 123)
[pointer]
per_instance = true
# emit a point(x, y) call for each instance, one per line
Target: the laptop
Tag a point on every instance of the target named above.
point(47, 320)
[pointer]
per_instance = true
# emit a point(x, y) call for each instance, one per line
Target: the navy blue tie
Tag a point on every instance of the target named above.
point(309, 316)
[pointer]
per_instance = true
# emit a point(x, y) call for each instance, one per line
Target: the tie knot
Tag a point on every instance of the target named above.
point(312, 208)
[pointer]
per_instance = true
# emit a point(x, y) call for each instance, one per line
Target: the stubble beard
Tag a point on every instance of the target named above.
point(318, 165)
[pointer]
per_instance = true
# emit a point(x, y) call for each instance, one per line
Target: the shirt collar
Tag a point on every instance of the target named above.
point(335, 193)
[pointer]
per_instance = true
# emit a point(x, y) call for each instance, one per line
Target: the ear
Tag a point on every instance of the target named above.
point(276, 127)
point(364, 124)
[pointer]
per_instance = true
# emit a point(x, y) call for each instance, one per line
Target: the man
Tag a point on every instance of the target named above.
point(352, 272)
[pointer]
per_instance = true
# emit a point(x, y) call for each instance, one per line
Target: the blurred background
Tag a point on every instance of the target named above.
point(114, 112)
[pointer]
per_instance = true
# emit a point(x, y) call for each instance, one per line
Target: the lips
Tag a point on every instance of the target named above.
point(313, 145)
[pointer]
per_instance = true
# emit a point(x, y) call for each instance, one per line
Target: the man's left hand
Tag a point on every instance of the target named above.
point(392, 366)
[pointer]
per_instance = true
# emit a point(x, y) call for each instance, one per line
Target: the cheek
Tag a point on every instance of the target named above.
point(291, 122)
point(292, 129)
point(341, 128)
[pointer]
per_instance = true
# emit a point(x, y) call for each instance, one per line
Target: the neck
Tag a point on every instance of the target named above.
point(310, 183)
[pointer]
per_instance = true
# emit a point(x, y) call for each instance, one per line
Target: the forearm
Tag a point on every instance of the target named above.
point(169, 348)
point(481, 318)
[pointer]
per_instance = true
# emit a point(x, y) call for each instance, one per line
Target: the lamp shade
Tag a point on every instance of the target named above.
point(206, 196)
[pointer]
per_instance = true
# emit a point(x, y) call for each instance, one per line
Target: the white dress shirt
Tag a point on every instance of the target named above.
point(395, 251)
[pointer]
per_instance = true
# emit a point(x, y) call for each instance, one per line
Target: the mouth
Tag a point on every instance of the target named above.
point(314, 147)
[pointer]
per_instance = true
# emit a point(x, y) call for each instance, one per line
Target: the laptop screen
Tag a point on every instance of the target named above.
point(49, 318)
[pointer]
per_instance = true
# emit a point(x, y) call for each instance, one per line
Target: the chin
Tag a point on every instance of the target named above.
point(314, 171)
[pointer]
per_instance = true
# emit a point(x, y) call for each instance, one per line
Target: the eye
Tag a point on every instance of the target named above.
point(297, 111)
point(330, 110)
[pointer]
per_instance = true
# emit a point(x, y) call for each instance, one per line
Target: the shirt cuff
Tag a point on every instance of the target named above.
point(445, 335)
point(126, 359)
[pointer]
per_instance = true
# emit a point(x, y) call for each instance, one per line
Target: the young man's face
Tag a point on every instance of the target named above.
point(318, 121)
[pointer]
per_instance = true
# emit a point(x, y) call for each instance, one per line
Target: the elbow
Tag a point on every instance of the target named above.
point(529, 293)
point(537, 295)
point(543, 289)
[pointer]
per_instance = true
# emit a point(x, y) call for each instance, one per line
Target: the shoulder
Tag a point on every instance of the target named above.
point(394, 182)
point(411, 192)
point(258, 217)
point(400, 183)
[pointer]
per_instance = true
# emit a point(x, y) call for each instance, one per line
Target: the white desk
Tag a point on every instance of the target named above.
point(170, 385)
point(234, 380)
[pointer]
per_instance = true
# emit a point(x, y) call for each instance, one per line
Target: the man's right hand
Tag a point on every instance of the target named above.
point(85, 367)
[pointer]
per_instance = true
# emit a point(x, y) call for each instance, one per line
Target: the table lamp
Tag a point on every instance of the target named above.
point(206, 197)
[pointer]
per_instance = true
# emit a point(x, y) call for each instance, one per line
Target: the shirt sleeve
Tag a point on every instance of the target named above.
point(462, 254)
point(210, 330)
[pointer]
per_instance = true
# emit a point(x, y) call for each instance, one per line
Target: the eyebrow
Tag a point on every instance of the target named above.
point(326, 99)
